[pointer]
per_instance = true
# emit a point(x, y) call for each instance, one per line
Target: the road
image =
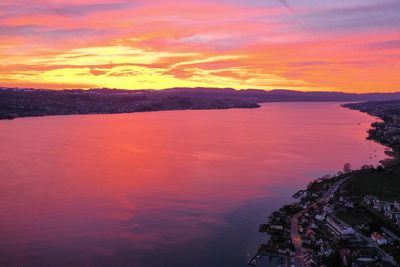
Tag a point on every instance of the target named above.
point(296, 240)
point(294, 222)
point(372, 244)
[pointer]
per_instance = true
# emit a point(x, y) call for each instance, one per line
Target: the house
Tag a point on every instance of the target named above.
point(304, 221)
point(320, 217)
point(377, 237)
point(389, 209)
point(388, 212)
point(310, 234)
point(365, 260)
point(348, 204)
point(376, 204)
point(276, 227)
point(369, 199)
point(328, 209)
point(392, 214)
point(338, 228)
point(385, 206)
point(327, 251)
point(305, 205)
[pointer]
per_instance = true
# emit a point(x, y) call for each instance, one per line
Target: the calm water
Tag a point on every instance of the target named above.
point(178, 188)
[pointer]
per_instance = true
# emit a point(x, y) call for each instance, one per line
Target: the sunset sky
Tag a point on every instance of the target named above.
point(344, 45)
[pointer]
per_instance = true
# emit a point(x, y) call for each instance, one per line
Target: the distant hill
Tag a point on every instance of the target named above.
point(26, 102)
point(281, 95)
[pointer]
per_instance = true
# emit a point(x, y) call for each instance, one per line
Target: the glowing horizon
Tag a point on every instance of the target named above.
point(349, 46)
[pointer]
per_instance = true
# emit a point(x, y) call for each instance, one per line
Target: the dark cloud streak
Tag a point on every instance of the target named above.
point(286, 4)
point(365, 17)
point(389, 44)
point(68, 10)
point(46, 32)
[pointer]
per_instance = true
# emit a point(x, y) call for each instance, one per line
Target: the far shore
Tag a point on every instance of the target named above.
point(26, 102)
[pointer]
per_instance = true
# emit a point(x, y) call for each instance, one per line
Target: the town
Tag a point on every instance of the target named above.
point(350, 219)
point(329, 227)
point(29, 102)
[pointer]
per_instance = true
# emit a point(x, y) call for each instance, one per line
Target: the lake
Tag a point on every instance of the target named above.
point(174, 188)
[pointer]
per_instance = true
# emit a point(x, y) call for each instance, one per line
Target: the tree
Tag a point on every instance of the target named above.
point(334, 260)
point(347, 168)
point(380, 169)
point(263, 228)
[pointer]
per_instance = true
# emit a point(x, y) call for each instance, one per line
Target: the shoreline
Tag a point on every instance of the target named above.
point(259, 105)
point(253, 106)
point(123, 113)
point(256, 106)
point(294, 245)
point(26, 102)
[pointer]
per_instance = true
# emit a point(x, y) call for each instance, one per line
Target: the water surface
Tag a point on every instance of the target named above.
point(177, 188)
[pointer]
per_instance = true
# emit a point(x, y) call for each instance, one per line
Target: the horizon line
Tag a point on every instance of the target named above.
point(197, 87)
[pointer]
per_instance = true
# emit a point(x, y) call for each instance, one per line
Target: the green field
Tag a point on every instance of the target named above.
point(385, 186)
point(352, 217)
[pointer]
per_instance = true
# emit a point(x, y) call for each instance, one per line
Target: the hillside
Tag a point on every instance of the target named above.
point(26, 102)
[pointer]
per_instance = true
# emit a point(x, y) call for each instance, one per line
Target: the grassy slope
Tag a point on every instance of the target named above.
point(383, 185)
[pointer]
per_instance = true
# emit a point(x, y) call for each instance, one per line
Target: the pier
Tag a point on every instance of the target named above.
point(271, 254)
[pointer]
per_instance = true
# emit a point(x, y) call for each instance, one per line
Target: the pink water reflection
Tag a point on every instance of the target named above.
point(119, 190)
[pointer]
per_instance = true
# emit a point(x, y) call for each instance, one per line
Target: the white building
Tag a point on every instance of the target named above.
point(328, 209)
point(393, 214)
point(376, 204)
point(385, 206)
point(320, 217)
point(389, 209)
point(369, 199)
point(339, 228)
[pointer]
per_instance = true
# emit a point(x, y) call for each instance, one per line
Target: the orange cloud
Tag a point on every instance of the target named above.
point(241, 44)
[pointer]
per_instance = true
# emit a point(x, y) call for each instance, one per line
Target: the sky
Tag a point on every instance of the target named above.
point(310, 45)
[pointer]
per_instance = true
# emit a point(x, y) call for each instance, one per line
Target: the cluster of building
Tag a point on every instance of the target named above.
point(339, 229)
point(390, 209)
point(323, 234)
point(326, 207)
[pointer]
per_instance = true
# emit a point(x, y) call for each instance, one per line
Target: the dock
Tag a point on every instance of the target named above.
point(271, 255)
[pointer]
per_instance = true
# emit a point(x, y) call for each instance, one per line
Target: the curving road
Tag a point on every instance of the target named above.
point(294, 222)
point(296, 240)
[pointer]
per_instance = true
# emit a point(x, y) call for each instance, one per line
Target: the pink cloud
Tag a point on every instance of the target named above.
point(320, 45)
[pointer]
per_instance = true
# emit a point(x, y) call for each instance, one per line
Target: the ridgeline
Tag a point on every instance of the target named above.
point(28, 102)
